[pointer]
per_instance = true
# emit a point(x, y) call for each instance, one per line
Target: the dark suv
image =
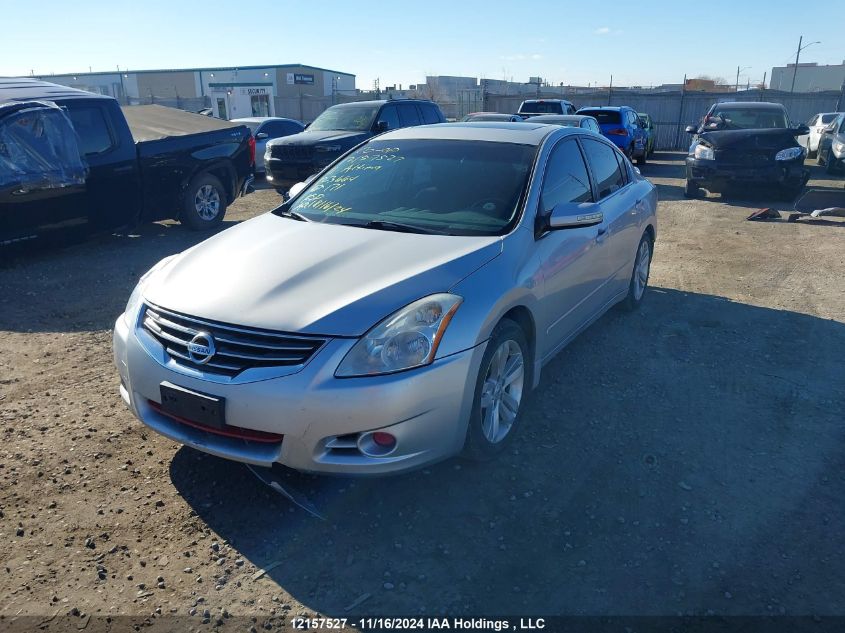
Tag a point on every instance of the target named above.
point(742, 143)
point(292, 159)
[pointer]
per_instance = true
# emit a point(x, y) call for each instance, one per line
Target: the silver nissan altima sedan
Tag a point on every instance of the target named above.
point(398, 308)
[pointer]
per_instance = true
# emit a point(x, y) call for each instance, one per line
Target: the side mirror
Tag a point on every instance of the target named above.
point(801, 129)
point(261, 136)
point(690, 129)
point(572, 215)
point(382, 126)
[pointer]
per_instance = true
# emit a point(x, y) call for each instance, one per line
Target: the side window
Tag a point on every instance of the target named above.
point(429, 114)
point(273, 129)
point(606, 171)
point(93, 130)
point(289, 127)
point(566, 178)
point(389, 114)
point(408, 114)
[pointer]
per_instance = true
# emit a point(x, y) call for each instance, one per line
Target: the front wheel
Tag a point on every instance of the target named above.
point(639, 276)
point(504, 379)
point(205, 203)
point(831, 164)
point(643, 159)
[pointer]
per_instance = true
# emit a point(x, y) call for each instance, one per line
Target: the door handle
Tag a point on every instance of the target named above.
point(602, 234)
point(123, 170)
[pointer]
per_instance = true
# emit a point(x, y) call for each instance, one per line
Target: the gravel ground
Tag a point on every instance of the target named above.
point(687, 459)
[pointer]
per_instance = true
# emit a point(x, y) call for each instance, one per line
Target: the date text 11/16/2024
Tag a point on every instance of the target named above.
point(418, 624)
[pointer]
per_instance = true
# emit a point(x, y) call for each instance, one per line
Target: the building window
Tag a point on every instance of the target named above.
point(260, 105)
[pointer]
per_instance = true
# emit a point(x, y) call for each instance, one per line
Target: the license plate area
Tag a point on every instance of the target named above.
point(193, 406)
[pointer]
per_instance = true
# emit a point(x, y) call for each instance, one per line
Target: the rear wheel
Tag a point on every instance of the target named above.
point(641, 160)
point(205, 203)
point(812, 153)
point(639, 276)
point(503, 382)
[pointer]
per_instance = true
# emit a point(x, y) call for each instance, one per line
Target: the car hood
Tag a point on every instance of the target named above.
point(280, 274)
point(771, 139)
point(310, 137)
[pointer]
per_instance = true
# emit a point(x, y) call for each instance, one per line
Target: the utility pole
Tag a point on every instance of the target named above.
point(797, 53)
point(610, 90)
point(795, 68)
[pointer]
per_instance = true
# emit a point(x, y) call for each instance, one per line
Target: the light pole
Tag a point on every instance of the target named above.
point(738, 69)
point(797, 54)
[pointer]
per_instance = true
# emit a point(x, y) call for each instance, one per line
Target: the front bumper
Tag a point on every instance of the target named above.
point(286, 173)
point(716, 176)
point(425, 409)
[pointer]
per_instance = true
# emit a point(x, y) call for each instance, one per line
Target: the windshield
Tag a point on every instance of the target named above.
point(745, 119)
point(546, 107)
point(827, 118)
point(603, 116)
point(440, 186)
point(349, 118)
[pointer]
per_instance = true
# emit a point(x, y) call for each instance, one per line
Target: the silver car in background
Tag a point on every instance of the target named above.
point(398, 308)
point(265, 129)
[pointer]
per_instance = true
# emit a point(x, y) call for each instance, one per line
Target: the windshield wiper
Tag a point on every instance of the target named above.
point(398, 227)
point(293, 215)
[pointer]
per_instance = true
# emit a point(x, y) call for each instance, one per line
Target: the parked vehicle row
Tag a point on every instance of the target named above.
point(433, 270)
point(70, 158)
point(831, 145)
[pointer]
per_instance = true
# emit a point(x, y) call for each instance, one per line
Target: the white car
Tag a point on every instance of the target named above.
point(816, 124)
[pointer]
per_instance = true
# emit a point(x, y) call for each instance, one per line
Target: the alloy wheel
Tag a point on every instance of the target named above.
point(501, 393)
point(641, 269)
point(207, 202)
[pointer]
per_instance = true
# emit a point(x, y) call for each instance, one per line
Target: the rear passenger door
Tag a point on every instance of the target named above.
point(113, 187)
point(619, 233)
point(408, 114)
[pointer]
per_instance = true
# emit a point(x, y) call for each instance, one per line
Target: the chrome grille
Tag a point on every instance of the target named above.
point(236, 348)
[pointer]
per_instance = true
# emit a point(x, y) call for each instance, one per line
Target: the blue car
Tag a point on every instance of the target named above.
point(621, 125)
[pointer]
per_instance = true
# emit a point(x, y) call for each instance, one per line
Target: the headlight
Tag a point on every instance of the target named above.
point(406, 339)
point(702, 152)
point(790, 153)
point(135, 299)
point(838, 147)
point(327, 148)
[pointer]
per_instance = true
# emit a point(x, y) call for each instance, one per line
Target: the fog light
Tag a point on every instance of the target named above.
point(385, 440)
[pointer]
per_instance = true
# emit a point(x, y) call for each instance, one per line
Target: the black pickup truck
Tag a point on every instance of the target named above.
point(70, 158)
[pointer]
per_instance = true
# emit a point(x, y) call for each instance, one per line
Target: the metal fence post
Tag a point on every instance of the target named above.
point(680, 114)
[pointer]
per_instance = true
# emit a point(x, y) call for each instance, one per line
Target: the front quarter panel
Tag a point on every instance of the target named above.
point(513, 279)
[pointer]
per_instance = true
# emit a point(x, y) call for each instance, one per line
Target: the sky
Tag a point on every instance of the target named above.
point(639, 43)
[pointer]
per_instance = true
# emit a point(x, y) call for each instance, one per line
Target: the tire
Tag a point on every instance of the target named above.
point(819, 157)
point(489, 431)
point(691, 190)
point(205, 203)
point(831, 164)
point(812, 153)
point(641, 160)
point(639, 275)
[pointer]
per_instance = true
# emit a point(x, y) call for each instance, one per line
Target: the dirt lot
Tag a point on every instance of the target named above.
point(688, 459)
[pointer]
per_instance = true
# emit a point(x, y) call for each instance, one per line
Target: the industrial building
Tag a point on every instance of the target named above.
point(232, 92)
point(809, 77)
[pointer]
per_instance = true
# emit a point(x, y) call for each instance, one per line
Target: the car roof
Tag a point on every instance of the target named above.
point(546, 101)
point(551, 118)
point(497, 132)
point(752, 105)
point(25, 89)
point(608, 108)
point(379, 102)
point(261, 119)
